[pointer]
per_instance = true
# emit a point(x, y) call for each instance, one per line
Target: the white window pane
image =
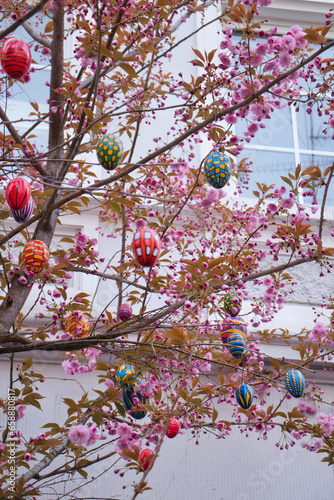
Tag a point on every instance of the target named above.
point(268, 167)
point(278, 131)
point(323, 162)
point(310, 134)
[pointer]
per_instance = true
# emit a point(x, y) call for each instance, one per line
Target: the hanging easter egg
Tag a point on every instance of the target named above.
point(244, 396)
point(232, 303)
point(129, 393)
point(16, 58)
point(236, 345)
point(77, 324)
point(24, 213)
point(18, 193)
point(125, 375)
point(295, 383)
point(233, 325)
point(124, 312)
point(217, 169)
point(109, 151)
point(173, 428)
point(35, 256)
point(143, 458)
point(146, 246)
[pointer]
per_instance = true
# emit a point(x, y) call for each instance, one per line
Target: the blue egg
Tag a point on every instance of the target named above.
point(128, 394)
point(217, 169)
point(125, 375)
point(295, 383)
point(244, 396)
point(236, 345)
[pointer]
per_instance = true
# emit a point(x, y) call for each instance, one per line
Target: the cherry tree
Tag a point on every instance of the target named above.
point(177, 364)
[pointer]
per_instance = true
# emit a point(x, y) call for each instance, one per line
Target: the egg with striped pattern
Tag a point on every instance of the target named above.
point(232, 326)
point(16, 58)
point(129, 393)
point(35, 256)
point(295, 383)
point(244, 396)
point(236, 345)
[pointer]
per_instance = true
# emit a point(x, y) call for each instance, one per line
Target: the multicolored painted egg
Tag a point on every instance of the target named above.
point(125, 375)
point(18, 193)
point(236, 345)
point(173, 428)
point(77, 324)
point(217, 169)
point(146, 246)
point(233, 325)
point(124, 312)
point(35, 256)
point(143, 458)
point(244, 396)
point(109, 151)
point(25, 213)
point(232, 303)
point(129, 393)
point(295, 383)
point(16, 58)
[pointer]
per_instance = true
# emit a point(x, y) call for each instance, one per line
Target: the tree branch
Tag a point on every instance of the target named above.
point(23, 19)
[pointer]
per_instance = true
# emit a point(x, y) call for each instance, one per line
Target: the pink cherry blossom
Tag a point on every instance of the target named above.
point(79, 434)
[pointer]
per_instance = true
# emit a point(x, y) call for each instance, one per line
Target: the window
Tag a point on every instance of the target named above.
point(290, 137)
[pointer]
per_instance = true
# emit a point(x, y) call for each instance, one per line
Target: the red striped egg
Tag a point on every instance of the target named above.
point(143, 458)
point(173, 428)
point(35, 256)
point(25, 213)
point(16, 58)
point(18, 192)
point(124, 312)
point(146, 246)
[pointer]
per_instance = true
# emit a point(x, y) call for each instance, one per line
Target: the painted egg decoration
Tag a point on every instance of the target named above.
point(16, 58)
point(295, 383)
point(77, 324)
point(18, 193)
point(232, 303)
point(236, 345)
point(217, 169)
point(125, 375)
point(124, 312)
point(109, 151)
point(129, 393)
point(232, 326)
point(35, 256)
point(146, 246)
point(143, 458)
point(24, 213)
point(173, 428)
point(244, 396)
